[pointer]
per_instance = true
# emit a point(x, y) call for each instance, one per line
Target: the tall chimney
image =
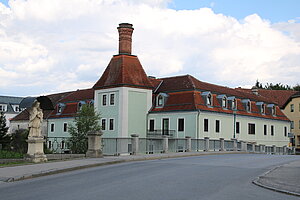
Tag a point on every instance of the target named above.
point(125, 38)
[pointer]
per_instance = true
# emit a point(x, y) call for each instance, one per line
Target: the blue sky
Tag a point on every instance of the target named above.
point(49, 46)
point(273, 10)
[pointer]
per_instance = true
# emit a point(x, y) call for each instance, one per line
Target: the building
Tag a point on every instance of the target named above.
point(9, 105)
point(130, 102)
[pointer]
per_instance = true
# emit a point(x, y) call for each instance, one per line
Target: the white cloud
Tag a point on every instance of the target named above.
point(50, 46)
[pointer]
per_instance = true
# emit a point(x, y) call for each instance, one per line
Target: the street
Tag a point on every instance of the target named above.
point(214, 177)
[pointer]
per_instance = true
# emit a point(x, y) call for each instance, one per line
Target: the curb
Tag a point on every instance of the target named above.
point(257, 182)
point(131, 159)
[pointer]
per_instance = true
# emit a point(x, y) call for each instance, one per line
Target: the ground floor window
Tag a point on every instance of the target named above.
point(272, 130)
point(65, 127)
point(285, 131)
point(151, 125)
point(265, 129)
point(111, 124)
point(205, 125)
point(237, 127)
point(52, 127)
point(181, 124)
point(103, 124)
point(251, 129)
point(217, 126)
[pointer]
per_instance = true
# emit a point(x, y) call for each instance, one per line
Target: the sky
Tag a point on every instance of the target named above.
point(50, 46)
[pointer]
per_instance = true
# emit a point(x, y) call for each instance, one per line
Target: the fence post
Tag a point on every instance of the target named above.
point(253, 148)
point(188, 143)
point(135, 144)
point(244, 146)
point(234, 144)
point(261, 148)
point(274, 149)
point(165, 144)
point(293, 150)
point(94, 144)
point(206, 143)
point(222, 144)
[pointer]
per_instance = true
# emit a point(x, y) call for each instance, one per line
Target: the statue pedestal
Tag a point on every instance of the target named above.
point(35, 151)
point(94, 144)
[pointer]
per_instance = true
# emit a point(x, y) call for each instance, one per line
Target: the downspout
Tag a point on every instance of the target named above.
point(197, 127)
point(234, 124)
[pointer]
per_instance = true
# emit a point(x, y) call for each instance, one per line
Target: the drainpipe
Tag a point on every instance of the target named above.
point(234, 123)
point(198, 116)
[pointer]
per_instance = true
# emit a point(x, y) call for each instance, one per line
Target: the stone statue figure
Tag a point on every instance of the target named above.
point(35, 120)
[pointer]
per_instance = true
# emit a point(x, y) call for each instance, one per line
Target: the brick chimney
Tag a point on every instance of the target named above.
point(125, 38)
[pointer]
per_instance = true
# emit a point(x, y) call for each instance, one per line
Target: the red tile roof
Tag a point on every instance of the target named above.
point(124, 70)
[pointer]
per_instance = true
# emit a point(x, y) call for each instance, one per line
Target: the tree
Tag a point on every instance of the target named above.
point(5, 139)
point(18, 142)
point(258, 84)
point(86, 120)
point(296, 87)
point(277, 86)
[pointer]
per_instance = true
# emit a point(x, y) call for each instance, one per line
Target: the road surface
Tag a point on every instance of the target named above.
point(214, 177)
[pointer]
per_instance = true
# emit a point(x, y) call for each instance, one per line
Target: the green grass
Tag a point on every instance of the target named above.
point(10, 155)
point(10, 164)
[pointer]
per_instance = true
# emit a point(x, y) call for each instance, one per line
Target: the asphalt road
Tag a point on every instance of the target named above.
point(219, 177)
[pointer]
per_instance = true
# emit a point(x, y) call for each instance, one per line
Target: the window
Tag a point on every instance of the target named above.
point(299, 124)
point(3, 107)
point(16, 108)
point(181, 124)
point(299, 107)
point(52, 127)
point(104, 100)
point(237, 126)
point(273, 110)
point(151, 125)
point(224, 102)
point(103, 124)
point(265, 130)
point(205, 125)
point(112, 99)
point(111, 124)
point(272, 130)
point(49, 144)
point(251, 129)
point(160, 100)
point(209, 100)
point(217, 126)
point(62, 144)
point(263, 108)
point(65, 127)
point(233, 104)
point(292, 107)
point(248, 106)
point(292, 125)
point(79, 106)
point(285, 131)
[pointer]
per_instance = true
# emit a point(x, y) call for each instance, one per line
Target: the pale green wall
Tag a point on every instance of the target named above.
point(58, 127)
point(137, 113)
point(190, 119)
point(109, 111)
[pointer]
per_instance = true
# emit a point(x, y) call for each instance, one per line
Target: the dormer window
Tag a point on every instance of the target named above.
point(3, 107)
point(272, 109)
point(79, 105)
point(207, 98)
point(232, 102)
point(224, 102)
point(262, 107)
point(59, 108)
point(247, 104)
point(161, 99)
point(16, 108)
point(91, 103)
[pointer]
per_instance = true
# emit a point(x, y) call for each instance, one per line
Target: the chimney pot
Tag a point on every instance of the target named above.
point(125, 38)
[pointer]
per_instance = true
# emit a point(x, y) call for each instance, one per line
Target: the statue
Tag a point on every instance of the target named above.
point(35, 120)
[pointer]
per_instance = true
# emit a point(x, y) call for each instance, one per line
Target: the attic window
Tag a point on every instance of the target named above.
point(233, 104)
point(161, 99)
point(248, 107)
point(224, 102)
point(91, 103)
point(80, 104)
point(3, 107)
point(262, 107)
point(209, 100)
point(59, 108)
point(274, 110)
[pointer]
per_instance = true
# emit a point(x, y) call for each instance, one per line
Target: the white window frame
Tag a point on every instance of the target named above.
point(105, 128)
point(149, 124)
point(209, 100)
point(224, 102)
point(158, 101)
point(64, 127)
point(102, 102)
point(248, 106)
point(216, 126)
point(183, 124)
point(292, 108)
point(162, 123)
point(109, 124)
point(113, 93)
point(3, 107)
point(52, 131)
point(234, 104)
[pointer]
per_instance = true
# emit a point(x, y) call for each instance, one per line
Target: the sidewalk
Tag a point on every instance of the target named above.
point(285, 178)
point(15, 173)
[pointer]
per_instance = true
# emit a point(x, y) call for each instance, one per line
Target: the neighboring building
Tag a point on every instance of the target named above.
point(130, 102)
point(10, 107)
point(21, 120)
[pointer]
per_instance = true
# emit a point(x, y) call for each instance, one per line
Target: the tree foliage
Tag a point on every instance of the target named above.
point(86, 120)
point(18, 142)
point(277, 86)
point(5, 139)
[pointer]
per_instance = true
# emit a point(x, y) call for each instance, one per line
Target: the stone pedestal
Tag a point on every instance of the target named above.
point(262, 148)
point(135, 143)
point(188, 143)
point(274, 149)
point(35, 151)
point(244, 146)
point(94, 144)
